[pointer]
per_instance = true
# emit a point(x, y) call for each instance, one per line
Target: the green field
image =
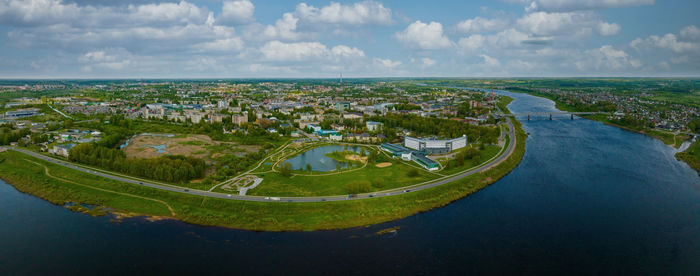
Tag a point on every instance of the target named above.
point(31, 177)
point(691, 156)
point(394, 176)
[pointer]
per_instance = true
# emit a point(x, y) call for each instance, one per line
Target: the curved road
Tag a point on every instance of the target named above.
point(412, 188)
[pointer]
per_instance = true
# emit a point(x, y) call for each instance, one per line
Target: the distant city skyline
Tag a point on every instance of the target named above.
point(322, 39)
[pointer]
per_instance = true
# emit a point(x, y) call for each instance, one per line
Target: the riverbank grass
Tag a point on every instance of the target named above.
point(266, 216)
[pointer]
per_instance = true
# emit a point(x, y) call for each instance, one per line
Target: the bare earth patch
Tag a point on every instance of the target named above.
point(355, 157)
point(141, 146)
point(383, 165)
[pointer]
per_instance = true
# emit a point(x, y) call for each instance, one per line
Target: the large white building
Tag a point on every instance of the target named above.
point(433, 146)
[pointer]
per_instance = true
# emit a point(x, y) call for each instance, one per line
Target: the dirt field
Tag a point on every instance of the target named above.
point(144, 146)
point(383, 165)
point(355, 157)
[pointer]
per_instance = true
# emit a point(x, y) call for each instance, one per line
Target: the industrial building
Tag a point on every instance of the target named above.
point(22, 113)
point(405, 154)
point(434, 146)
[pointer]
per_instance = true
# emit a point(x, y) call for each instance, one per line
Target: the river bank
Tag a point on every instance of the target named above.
point(584, 194)
point(666, 137)
point(690, 156)
point(58, 185)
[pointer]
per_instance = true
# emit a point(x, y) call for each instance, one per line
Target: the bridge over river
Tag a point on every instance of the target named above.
point(550, 114)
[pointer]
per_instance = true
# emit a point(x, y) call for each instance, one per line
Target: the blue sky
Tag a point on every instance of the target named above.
point(240, 39)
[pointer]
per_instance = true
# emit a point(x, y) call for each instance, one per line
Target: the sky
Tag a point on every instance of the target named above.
point(312, 39)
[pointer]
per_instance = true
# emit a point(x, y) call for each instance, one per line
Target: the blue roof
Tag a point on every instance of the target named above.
point(326, 132)
point(425, 160)
point(395, 148)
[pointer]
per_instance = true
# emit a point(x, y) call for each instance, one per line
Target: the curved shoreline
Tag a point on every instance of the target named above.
point(267, 216)
point(682, 156)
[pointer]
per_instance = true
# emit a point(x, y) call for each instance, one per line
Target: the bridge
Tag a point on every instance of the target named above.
point(544, 114)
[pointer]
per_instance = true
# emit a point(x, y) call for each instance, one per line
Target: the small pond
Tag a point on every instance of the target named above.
point(159, 148)
point(318, 160)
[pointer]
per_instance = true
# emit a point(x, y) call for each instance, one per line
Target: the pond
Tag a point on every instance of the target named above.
point(318, 160)
point(159, 148)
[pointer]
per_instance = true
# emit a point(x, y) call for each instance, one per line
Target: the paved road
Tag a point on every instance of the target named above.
point(412, 188)
point(313, 138)
point(59, 112)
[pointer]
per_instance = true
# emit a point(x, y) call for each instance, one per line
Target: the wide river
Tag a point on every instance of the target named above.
point(587, 198)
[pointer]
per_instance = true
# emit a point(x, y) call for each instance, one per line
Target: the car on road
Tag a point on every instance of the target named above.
point(187, 190)
point(228, 195)
point(275, 198)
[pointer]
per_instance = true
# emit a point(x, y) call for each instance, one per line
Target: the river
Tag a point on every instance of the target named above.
point(587, 198)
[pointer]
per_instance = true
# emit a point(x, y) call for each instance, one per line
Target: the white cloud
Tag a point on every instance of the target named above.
point(221, 45)
point(361, 13)
point(566, 23)
point(112, 59)
point(346, 52)
point(424, 36)
point(236, 12)
point(182, 12)
point(96, 56)
point(668, 41)
point(481, 25)
point(490, 61)
point(284, 28)
point(427, 62)
point(608, 58)
point(43, 12)
point(305, 51)
point(690, 33)
point(573, 5)
point(543, 23)
point(608, 29)
point(504, 39)
point(33, 12)
point(280, 51)
point(386, 63)
point(471, 43)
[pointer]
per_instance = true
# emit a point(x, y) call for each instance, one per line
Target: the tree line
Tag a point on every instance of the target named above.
point(169, 168)
point(428, 126)
point(8, 134)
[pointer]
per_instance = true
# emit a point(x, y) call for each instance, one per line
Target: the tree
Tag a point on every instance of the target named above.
point(372, 156)
point(308, 167)
point(286, 169)
point(357, 187)
point(412, 173)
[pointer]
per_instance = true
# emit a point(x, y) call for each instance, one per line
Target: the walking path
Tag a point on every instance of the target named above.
point(46, 171)
point(416, 187)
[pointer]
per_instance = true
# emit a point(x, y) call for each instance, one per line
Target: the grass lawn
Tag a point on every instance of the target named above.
point(691, 156)
point(28, 174)
point(487, 153)
point(394, 176)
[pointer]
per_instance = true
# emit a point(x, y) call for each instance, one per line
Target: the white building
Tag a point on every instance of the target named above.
point(314, 127)
point(373, 126)
point(62, 150)
point(336, 137)
point(433, 146)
